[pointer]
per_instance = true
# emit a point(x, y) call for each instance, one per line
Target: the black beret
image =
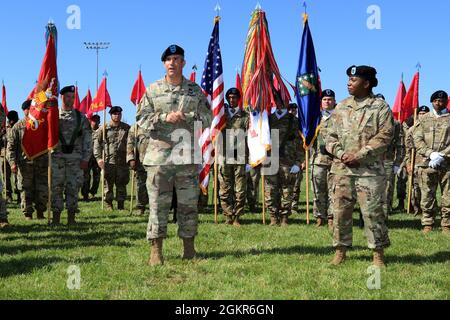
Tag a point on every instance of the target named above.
point(173, 49)
point(328, 93)
point(94, 117)
point(26, 105)
point(233, 91)
point(380, 96)
point(115, 109)
point(67, 90)
point(441, 94)
point(365, 72)
point(292, 106)
point(423, 109)
point(13, 116)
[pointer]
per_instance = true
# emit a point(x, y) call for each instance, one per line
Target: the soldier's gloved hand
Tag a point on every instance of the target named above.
point(84, 165)
point(101, 164)
point(396, 170)
point(133, 165)
point(436, 156)
point(295, 169)
point(248, 168)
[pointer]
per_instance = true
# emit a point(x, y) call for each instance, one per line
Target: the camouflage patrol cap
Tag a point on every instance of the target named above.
point(67, 89)
point(26, 105)
point(364, 72)
point(441, 94)
point(115, 109)
point(328, 93)
point(173, 49)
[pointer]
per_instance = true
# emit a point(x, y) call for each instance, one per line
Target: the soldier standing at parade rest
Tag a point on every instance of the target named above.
point(70, 157)
point(3, 214)
point(115, 165)
point(321, 160)
point(136, 147)
point(12, 117)
point(359, 134)
point(232, 174)
point(89, 191)
point(168, 111)
point(432, 142)
point(32, 174)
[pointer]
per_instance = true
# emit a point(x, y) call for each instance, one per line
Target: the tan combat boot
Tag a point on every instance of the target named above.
point(446, 231)
point(109, 206)
point(319, 222)
point(236, 222)
point(229, 220)
point(156, 257)
point(4, 223)
point(339, 256)
point(427, 229)
point(273, 221)
point(189, 249)
point(378, 258)
point(330, 225)
point(284, 221)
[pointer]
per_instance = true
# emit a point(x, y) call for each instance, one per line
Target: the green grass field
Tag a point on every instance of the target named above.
point(252, 262)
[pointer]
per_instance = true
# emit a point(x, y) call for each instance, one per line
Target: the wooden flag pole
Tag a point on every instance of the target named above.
point(411, 177)
point(4, 177)
point(103, 158)
point(263, 189)
point(49, 181)
point(307, 185)
point(133, 175)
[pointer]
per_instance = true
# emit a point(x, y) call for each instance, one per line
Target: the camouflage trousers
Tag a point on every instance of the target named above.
point(3, 212)
point(141, 194)
point(92, 174)
point(118, 176)
point(295, 207)
point(160, 183)
point(33, 186)
point(390, 182)
point(7, 175)
point(279, 191)
point(232, 192)
point(67, 177)
point(370, 194)
point(322, 182)
point(253, 178)
point(429, 180)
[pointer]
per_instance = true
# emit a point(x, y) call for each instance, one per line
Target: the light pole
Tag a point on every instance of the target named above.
point(97, 46)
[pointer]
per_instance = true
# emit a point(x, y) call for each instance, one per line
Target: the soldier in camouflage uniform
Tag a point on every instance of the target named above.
point(321, 162)
point(279, 187)
point(117, 172)
point(295, 208)
point(232, 178)
point(3, 214)
point(12, 117)
point(32, 174)
point(168, 110)
point(402, 175)
point(70, 157)
point(432, 141)
point(136, 148)
point(89, 191)
point(358, 136)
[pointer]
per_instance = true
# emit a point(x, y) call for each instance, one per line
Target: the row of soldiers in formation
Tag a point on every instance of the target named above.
point(355, 157)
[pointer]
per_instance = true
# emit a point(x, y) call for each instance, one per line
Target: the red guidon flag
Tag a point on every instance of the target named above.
point(42, 127)
point(85, 104)
point(138, 90)
point(4, 104)
point(76, 104)
point(102, 100)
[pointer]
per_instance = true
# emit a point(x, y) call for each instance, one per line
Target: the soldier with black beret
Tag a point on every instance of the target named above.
point(93, 172)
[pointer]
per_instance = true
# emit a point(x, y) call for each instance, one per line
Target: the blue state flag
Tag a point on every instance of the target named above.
point(308, 89)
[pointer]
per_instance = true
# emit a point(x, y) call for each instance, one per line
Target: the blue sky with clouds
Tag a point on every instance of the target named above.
point(139, 30)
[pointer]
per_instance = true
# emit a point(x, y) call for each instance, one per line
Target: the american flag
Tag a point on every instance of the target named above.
point(213, 88)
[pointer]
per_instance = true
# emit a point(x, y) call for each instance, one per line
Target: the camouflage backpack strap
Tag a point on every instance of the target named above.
point(68, 148)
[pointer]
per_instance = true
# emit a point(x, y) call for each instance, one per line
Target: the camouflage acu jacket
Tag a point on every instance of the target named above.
point(115, 144)
point(139, 141)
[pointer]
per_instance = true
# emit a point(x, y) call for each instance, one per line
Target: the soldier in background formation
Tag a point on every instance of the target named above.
point(321, 161)
point(358, 136)
point(295, 208)
point(115, 164)
point(32, 174)
point(232, 167)
point(70, 157)
point(136, 147)
point(3, 214)
point(431, 138)
point(12, 118)
point(91, 176)
point(279, 186)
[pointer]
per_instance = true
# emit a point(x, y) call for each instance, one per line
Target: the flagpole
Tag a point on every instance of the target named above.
point(103, 158)
point(307, 185)
point(263, 189)
point(133, 174)
point(49, 181)
point(215, 184)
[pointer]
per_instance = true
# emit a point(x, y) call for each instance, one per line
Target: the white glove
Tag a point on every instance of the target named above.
point(248, 168)
point(433, 164)
point(295, 169)
point(396, 170)
point(436, 155)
